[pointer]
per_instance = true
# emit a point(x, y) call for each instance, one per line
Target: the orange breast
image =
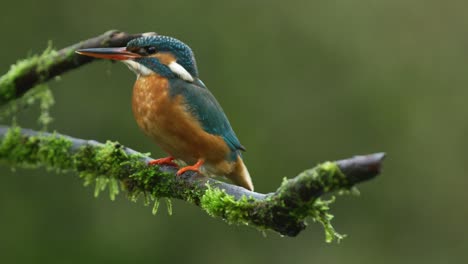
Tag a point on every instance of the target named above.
point(166, 120)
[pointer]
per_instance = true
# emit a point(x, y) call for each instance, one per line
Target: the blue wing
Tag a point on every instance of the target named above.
point(208, 111)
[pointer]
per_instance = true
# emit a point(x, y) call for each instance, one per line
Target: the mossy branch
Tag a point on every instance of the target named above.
point(121, 168)
point(117, 168)
point(27, 73)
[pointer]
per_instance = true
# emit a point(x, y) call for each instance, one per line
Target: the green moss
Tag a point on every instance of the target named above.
point(114, 189)
point(326, 177)
point(105, 166)
point(103, 182)
point(38, 63)
point(54, 152)
point(109, 166)
point(169, 206)
point(156, 183)
point(330, 178)
point(17, 149)
point(218, 203)
point(100, 185)
point(46, 99)
point(102, 166)
point(51, 151)
point(46, 59)
point(320, 213)
point(40, 94)
point(7, 81)
point(155, 207)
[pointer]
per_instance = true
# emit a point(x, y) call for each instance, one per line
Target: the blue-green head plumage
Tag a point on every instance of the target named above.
point(152, 48)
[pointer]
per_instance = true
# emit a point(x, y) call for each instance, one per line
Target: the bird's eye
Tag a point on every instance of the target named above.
point(150, 49)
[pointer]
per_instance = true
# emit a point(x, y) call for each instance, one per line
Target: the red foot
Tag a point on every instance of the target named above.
point(163, 161)
point(195, 168)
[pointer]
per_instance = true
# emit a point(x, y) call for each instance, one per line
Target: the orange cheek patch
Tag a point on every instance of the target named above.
point(164, 57)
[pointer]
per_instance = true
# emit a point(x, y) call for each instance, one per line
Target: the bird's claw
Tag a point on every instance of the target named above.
point(194, 168)
point(164, 161)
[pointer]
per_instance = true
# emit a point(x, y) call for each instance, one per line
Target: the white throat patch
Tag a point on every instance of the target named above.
point(180, 71)
point(137, 68)
point(142, 70)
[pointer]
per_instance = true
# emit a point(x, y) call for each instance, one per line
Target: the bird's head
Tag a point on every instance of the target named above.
point(152, 54)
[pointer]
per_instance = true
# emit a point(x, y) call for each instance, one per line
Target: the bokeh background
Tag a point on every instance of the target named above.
point(302, 82)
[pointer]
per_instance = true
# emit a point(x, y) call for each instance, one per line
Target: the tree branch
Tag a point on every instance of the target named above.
point(38, 69)
point(284, 210)
point(116, 167)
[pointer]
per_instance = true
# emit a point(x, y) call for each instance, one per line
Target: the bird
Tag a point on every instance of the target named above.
point(176, 110)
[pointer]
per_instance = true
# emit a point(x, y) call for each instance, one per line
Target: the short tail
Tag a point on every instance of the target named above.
point(240, 175)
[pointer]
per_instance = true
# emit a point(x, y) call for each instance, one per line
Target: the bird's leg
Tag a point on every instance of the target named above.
point(164, 161)
point(195, 167)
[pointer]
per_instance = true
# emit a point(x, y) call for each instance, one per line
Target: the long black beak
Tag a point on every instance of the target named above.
point(109, 53)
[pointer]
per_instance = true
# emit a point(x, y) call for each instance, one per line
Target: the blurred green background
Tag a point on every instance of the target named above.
point(302, 82)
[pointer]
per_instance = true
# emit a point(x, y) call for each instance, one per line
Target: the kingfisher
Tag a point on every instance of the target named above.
point(175, 108)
